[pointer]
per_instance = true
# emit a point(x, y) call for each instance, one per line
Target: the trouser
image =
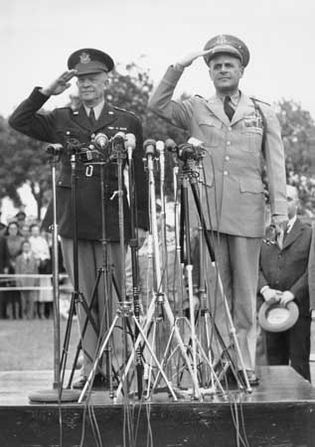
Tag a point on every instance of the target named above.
point(90, 260)
point(27, 303)
point(292, 346)
point(237, 262)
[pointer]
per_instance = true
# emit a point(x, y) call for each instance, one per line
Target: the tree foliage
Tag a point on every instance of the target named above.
point(22, 160)
point(298, 135)
point(297, 128)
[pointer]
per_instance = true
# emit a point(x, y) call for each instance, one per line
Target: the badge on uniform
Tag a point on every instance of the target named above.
point(122, 129)
point(254, 121)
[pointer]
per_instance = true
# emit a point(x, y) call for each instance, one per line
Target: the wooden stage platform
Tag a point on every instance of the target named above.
point(279, 413)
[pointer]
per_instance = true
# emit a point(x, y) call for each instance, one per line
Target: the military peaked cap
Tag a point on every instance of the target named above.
point(227, 44)
point(89, 61)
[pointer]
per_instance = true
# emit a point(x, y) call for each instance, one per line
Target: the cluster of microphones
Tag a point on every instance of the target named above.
point(100, 149)
point(104, 149)
point(194, 149)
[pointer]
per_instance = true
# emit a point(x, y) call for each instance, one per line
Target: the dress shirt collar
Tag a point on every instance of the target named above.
point(97, 109)
point(235, 99)
point(291, 223)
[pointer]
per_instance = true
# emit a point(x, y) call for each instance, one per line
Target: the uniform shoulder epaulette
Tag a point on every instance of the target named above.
point(65, 108)
point(199, 98)
point(120, 109)
point(260, 100)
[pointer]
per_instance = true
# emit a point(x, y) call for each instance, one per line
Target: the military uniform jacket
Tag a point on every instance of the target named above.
point(287, 269)
point(64, 123)
point(234, 158)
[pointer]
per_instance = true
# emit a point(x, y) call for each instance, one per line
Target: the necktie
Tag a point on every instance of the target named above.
point(228, 109)
point(280, 238)
point(92, 117)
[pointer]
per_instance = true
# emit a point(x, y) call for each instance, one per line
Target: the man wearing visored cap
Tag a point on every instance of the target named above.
point(240, 135)
point(94, 116)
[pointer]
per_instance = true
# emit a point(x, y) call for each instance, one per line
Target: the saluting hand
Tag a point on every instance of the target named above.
point(190, 57)
point(60, 84)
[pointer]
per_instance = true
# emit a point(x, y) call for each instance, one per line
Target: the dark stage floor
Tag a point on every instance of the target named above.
point(279, 413)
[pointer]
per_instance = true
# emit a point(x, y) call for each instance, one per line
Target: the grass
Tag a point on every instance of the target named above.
point(29, 344)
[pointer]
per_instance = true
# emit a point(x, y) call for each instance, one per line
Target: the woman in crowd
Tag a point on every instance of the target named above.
point(40, 249)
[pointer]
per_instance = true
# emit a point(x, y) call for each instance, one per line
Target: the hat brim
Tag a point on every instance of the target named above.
point(89, 61)
point(222, 49)
point(278, 318)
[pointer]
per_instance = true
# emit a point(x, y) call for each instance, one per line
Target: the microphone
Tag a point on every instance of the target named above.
point(101, 141)
point(88, 153)
point(119, 136)
point(130, 144)
point(171, 145)
point(160, 147)
point(54, 149)
point(195, 142)
point(118, 142)
point(149, 147)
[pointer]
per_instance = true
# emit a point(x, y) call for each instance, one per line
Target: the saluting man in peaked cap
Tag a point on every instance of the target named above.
point(240, 134)
point(90, 67)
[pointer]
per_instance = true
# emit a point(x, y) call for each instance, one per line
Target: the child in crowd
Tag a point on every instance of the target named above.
point(26, 264)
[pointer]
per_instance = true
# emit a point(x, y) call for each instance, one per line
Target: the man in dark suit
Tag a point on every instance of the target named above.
point(283, 277)
point(82, 126)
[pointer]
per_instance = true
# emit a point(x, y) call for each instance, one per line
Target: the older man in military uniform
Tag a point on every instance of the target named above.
point(240, 134)
point(93, 117)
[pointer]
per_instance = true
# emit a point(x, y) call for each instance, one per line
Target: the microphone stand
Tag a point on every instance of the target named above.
point(160, 300)
point(57, 394)
point(161, 150)
point(202, 294)
point(195, 191)
point(135, 267)
point(189, 266)
point(77, 297)
point(124, 310)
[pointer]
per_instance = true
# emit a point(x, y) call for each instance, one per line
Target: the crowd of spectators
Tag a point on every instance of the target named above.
point(306, 189)
point(26, 252)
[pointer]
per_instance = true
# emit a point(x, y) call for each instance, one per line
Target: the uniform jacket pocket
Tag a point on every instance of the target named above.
point(254, 186)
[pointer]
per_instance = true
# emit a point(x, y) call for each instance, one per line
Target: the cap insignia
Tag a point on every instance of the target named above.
point(85, 58)
point(221, 40)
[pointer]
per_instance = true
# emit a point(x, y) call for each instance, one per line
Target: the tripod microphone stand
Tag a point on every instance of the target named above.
point(57, 394)
point(194, 188)
point(159, 300)
point(130, 145)
point(196, 347)
point(77, 297)
point(98, 155)
point(124, 311)
point(160, 147)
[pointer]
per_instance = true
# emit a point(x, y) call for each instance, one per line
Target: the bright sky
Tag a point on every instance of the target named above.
point(37, 36)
